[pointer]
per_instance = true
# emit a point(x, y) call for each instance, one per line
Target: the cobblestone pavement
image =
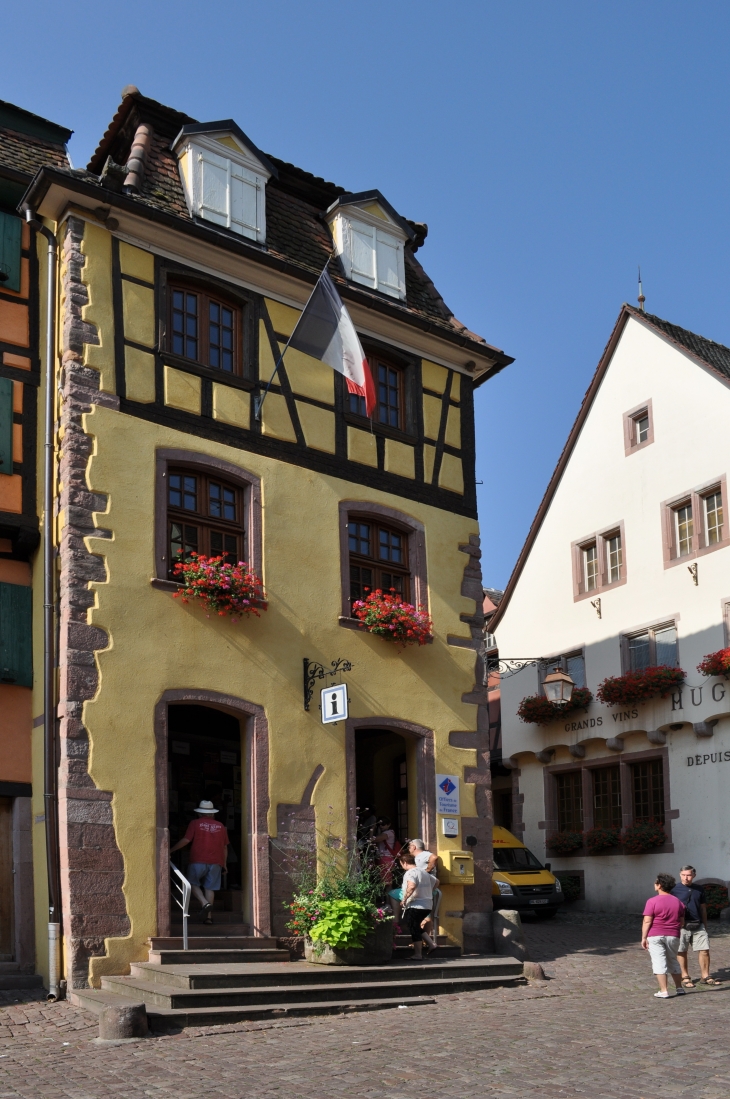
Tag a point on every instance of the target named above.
point(592, 1029)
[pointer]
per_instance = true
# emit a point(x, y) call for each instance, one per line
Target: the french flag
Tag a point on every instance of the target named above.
point(326, 332)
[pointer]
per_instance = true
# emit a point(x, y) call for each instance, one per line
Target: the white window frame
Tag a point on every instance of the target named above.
point(238, 166)
point(379, 232)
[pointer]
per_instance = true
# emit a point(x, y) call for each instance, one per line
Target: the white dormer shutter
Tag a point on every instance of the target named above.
point(245, 187)
point(213, 186)
point(362, 254)
point(390, 264)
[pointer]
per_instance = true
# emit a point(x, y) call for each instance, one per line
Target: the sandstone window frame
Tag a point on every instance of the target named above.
point(389, 517)
point(651, 630)
point(632, 432)
point(598, 540)
point(701, 545)
point(173, 457)
point(625, 762)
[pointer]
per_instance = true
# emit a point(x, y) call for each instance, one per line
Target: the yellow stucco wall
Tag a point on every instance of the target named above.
point(97, 277)
point(157, 644)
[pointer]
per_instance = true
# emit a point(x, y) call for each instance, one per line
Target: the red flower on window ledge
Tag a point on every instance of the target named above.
point(220, 587)
point(538, 710)
point(716, 663)
point(626, 690)
point(386, 615)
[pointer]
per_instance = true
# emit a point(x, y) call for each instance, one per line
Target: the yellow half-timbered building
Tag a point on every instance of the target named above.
point(185, 258)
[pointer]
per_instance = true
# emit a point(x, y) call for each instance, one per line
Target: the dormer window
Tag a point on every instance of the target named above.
point(370, 238)
point(224, 177)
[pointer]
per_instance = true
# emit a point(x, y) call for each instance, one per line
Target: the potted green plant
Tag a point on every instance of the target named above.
point(643, 836)
point(601, 839)
point(538, 710)
point(627, 690)
point(565, 843)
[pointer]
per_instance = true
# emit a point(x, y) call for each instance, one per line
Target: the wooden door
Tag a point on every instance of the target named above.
point(7, 897)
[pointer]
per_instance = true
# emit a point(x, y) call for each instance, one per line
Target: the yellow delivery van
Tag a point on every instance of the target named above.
point(520, 880)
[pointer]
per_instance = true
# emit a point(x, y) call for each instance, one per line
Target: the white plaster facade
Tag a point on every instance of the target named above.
point(597, 487)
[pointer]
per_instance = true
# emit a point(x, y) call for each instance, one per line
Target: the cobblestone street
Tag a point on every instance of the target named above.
point(594, 1028)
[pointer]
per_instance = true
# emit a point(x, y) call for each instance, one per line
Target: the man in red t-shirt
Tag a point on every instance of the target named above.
point(208, 855)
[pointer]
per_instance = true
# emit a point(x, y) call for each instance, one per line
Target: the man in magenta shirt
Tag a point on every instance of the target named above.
point(663, 921)
point(208, 855)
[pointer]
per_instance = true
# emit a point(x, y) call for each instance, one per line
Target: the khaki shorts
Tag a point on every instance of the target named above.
point(699, 940)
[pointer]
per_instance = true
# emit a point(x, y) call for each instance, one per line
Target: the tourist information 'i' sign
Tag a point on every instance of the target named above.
point(334, 703)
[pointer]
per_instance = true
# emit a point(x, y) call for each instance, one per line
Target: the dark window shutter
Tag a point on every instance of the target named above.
point(6, 426)
point(16, 657)
point(10, 228)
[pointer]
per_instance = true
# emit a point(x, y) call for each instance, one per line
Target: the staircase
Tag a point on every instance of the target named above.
point(226, 979)
point(13, 975)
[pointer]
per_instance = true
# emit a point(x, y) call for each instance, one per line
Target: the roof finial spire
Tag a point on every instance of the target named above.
point(642, 299)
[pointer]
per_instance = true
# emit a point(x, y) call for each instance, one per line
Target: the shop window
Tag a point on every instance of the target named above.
point(205, 506)
point(380, 548)
point(570, 801)
point(599, 562)
point(651, 648)
point(695, 523)
point(204, 329)
point(607, 797)
point(648, 789)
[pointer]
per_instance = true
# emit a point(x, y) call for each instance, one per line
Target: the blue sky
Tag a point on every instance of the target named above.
point(551, 147)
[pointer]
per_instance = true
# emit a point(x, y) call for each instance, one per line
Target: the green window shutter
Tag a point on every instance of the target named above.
point(16, 656)
point(6, 426)
point(10, 228)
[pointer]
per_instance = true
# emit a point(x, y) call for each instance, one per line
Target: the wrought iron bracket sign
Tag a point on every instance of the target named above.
point(313, 671)
point(507, 667)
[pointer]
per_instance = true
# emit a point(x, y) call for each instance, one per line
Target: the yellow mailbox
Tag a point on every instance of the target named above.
point(457, 868)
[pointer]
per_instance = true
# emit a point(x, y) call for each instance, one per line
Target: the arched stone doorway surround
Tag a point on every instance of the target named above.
point(257, 777)
point(425, 771)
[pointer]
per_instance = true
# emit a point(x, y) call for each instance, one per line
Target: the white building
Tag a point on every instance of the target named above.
point(627, 565)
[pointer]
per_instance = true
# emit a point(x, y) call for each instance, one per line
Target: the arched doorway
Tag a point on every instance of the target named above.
point(204, 760)
point(198, 734)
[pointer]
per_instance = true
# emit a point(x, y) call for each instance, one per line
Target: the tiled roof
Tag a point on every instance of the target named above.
point(715, 354)
point(27, 154)
point(295, 203)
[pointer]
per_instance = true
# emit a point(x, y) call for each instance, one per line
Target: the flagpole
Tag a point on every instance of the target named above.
point(258, 402)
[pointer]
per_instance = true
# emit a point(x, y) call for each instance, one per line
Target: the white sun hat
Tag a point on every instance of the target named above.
point(206, 807)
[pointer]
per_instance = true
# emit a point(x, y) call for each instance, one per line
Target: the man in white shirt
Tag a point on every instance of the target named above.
point(424, 859)
point(417, 904)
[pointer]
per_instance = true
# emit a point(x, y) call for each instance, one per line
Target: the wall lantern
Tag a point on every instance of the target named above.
point(558, 687)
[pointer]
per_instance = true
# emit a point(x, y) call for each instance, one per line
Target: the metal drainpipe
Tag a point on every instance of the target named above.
point(50, 793)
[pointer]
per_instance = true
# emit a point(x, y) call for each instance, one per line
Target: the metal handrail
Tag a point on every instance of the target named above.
point(179, 882)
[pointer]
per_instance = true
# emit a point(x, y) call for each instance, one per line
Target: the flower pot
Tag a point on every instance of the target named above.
point(376, 950)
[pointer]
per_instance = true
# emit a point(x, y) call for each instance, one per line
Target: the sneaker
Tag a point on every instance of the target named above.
point(681, 992)
point(661, 995)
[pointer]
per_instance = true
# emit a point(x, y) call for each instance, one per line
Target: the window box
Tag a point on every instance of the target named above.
point(565, 843)
point(385, 615)
point(639, 686)
point(224, 589)
point(716, 664)
point(537, 710)
point(643, 836)
point(602, 839)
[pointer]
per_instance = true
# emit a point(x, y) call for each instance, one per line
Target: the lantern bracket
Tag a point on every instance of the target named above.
point(313, 671)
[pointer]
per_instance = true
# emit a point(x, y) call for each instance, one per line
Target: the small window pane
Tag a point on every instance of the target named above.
point(648, 783)
point(190, 493)
point(590, 567)
point(570, 802)
point(388, 395)
point(229, 504)
point(685, 530)
point(359, 537)
point(391, 547)
point(392, 582)
point(357, 404)
point(183, 542)
point(220, 337)
point(714, 518)
point(639, 652)
point(665, 641)
point(175, 490)
point(607, 798)
point(642, 428)
point(361, 582)
point(576, 669)
point(614, 557)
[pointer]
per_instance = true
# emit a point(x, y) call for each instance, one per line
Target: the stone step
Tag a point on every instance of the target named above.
point(220, 919)
point(172, 998)
point(211, 940)
point(290, 974)
point(10, 981)
point(9, 967)
point(209, 956)
point(162, 1019)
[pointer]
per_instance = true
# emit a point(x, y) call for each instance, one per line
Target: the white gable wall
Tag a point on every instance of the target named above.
point(602, 487)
